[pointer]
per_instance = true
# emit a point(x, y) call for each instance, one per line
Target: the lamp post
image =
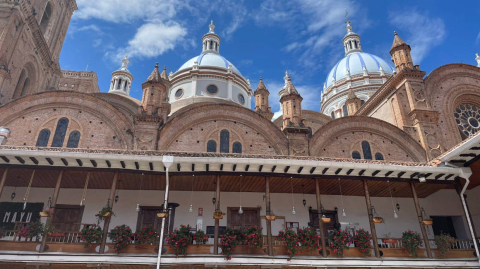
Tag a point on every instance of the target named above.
point(167, 162)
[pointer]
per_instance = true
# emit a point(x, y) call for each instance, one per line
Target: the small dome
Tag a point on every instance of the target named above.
point(209, 59)
point(355, 63)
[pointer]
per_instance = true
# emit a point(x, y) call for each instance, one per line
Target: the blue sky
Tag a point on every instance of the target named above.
point(265, 37)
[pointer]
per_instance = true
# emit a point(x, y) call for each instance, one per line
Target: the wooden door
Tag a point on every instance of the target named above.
point(148, 217)
point(327, 227)
point(249, 218)
point(67, 218)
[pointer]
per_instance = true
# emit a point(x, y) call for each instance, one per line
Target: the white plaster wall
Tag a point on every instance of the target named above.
point(442, 203)
point(187, 91)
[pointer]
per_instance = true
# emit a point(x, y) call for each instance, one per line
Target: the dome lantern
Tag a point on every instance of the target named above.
point(121, 79)
point(211, 41)
point(351, 41)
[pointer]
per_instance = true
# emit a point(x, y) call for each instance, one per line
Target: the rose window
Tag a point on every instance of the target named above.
point(468, 119)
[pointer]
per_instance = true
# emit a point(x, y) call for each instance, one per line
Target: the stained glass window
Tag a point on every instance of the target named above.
point(73, 139)
point(237, 148)
point(467, 118)
point(379, 156)
point(356, 155)
point(211, 146)
point(43, 138)
point(60, 133)
point(224, 141)
point(333, 115)
point(345, 111)
point(367, 152)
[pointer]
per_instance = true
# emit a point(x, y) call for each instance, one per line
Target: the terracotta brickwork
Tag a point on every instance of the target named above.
point(410, 118)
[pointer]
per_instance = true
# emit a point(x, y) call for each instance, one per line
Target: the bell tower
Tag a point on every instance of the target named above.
point(353, 103)
point(400, 52)
point(261, 101)
point(155, 95)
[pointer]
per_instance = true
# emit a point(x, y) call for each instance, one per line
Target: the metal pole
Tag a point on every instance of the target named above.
point(106, 223)
point(420, 219)
point(370, 219)
point(167, 162)
point(320, 223)
point(217, 221)
point(475, 244)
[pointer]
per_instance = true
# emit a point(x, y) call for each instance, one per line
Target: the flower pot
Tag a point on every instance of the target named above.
point(162, 214)
point(427, 221)
point(106, 214)
point(271, 217)
point(218, 216)
point(44, 215)
point(378, 220)
point(326, 220)
point(390, 241)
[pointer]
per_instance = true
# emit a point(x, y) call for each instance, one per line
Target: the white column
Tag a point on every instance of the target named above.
point(115, 84)
point(123, 87)
point(230, 88)
point(194, 86)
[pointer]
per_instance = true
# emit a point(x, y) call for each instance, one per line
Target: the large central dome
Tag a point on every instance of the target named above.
point(209, 59)
point(357, 63)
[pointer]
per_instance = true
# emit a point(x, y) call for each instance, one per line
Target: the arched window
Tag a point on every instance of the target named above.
point(211, 146)
point(26, 84)
point(119, 84)
point(73, 139)
point(362, 102)
point(224, 141)
point(60, 133)
point(237, 148)
point(379, 156)
point(47, 14)
point(367, 152)
point(43, 138)
point(356, 155)
point(310, 132)
point(467, 118)
point(333, 115)
point(20, 84)
point(345, 110)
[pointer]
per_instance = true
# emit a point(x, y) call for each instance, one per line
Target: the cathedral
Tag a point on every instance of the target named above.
point(390, 157)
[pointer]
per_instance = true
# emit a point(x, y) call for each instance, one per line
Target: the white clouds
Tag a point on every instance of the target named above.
point(477, 41)
point(424, 32)
point(153, 39)
point(126, 10)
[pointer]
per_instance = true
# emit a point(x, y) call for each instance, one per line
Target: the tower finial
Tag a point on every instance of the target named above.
point(211, 27)
point(125, 63)
point(477, 59)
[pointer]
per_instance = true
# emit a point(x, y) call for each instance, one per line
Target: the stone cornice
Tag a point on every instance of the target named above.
point(387, 88)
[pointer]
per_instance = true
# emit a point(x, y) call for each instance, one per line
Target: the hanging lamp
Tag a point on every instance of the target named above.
point(376, 218)
point(304, 202)
point(426, 220)
point(293, 200)
point(395, 215)
point(396, 200)
point(240, 210)
point(138, 204)
point(85, 189)
point(344, 214)
point(25, 198)
point(14, 193)
point(324, 218)
point(190, 209)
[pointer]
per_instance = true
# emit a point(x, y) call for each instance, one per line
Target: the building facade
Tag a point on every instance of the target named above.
point(387, 141)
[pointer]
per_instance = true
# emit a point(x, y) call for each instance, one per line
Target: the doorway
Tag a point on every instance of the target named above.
point(147, 217)
point(67, 218)
point(249, 218)
point(451, 225)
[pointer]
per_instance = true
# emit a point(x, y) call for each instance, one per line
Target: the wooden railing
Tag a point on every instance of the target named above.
point(459, 244)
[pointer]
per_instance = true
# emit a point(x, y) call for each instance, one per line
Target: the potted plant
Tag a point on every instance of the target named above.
point(106, 212)
point(339, 241)
point(427, 221)
point(120, 237)
point(178, 240)
point(363, 241)
point(308, 238)
point(388, 240)
point(377, 219)
point(253, 238)
point(47, 212)
point(444, 243)
point(145, 236)
point(290, 240)
point(218, 214)
point(411, 241)
point(31, 230)
point(91, 235)
point(200, 238)
point(228, 242)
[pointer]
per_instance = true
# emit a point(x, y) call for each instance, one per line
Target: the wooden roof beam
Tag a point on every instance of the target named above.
point(109, 164)
point(50, 161)
point(20, 159)
point(64, 161)
point(5, 159)
point(34, 160)
point(94, 163)
point(122, 163)
point(300, 169)
point(312, 170)
point(80, 162)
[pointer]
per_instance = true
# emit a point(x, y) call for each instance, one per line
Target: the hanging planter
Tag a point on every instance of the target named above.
point(105, 213)
point(270, 217)
point(427, 222)
point(162, 214)
point(326, 219)
point(378, 220)
point(218, 214)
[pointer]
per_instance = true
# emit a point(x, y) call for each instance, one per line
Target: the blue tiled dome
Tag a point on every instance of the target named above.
point(355, 63)
point(209, 59)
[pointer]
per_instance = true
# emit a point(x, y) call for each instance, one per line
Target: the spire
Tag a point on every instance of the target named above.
point(351, 41)
point(155, 75)
point(125, 63)
point(351, 94)
point(477, 59)
point(289, 88)
point(261, 86)
point(211, 27)
point(211, 41)
point(397, 41)
point(164, 73)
